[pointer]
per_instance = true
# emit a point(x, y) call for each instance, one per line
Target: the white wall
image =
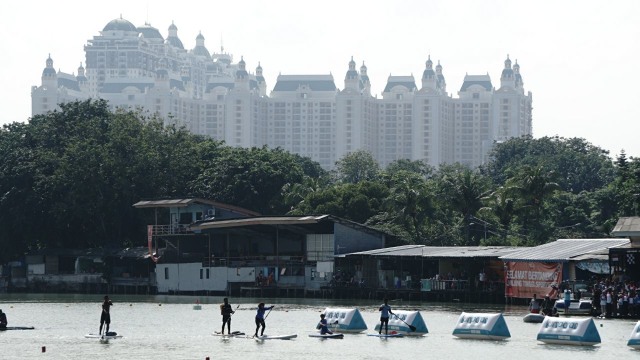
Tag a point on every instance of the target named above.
point(186, 277)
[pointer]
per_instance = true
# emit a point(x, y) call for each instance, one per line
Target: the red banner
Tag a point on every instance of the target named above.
point(523, 279)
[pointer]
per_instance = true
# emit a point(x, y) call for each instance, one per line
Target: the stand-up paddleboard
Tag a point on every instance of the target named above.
point(233, 334)
point(276, 337)
point(386, 335)
point(327, 336)
point(108, 336)
point(17, 328)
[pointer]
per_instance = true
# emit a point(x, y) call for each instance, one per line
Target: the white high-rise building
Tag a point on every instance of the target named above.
point(137, 68)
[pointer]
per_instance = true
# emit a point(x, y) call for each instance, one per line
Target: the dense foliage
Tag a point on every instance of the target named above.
point(69, 179)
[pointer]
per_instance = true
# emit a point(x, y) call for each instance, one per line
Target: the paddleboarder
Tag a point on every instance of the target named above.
point(324, 329)
point(3, 320)
point(226, 311)
point(385, 310)
point(105, 317)
point(260, 318)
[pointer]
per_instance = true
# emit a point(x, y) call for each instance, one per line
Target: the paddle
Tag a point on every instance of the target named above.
point(235, 309)
point(269, 312)
point(413, 328)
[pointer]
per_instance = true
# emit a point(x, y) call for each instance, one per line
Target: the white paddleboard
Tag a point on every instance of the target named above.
point(103, 337)
point(276, 337)
point(327, 336)
point(386, 335)
point(233, 334)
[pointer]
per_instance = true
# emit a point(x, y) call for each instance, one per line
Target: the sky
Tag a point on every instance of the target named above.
point(578, 58)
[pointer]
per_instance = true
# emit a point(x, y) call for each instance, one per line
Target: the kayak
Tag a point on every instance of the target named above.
point(327, 336)
point(276, 337)
point(386, 335)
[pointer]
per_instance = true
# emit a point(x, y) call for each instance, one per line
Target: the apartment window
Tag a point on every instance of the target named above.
point(166, 273)
point(476, 95)
point(201, 272)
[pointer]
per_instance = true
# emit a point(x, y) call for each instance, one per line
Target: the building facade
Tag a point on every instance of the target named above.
point(208, 94)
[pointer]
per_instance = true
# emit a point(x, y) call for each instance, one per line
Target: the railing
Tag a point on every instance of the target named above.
point(177, 229)
point(439, 285)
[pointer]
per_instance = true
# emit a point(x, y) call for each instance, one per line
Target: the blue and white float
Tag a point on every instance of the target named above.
point(401, 321)
point(344, 320)
point(482, 326)
point(634, 339)
point(569, 331)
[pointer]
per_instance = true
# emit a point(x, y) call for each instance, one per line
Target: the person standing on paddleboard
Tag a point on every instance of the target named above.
point(385, 310)
point(3, 320)
point(260, 318)
point(105, 318)
point(226, 311)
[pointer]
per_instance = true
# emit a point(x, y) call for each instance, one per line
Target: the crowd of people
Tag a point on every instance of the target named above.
point(616, 299)
point(609, 298)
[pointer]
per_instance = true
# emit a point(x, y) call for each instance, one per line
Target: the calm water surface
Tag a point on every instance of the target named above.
point(167, 327)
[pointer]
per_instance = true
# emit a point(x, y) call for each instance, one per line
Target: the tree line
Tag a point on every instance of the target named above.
point(69, 178)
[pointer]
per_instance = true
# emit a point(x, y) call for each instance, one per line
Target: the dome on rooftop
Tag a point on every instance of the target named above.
point(119, 24)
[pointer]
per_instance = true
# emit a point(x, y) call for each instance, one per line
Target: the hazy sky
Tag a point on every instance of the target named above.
point(578, 58)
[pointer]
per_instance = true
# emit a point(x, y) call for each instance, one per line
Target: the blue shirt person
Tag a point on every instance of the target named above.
point(260, 318)
point(324, 329)
point(385, 310)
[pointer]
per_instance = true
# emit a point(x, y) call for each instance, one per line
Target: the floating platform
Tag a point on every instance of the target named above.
point(569, 331)
point(634, 338)
point(482, 326)
point(398, 322)
point(345, 320)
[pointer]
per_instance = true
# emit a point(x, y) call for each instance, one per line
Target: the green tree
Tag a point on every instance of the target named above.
point(357, 166)
point(463, 190)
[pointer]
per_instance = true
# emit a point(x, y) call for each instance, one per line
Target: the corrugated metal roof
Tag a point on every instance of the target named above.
point(627, 227)
point(563, 249)
point(173, 203)
point(441, 251)
point(261, 220)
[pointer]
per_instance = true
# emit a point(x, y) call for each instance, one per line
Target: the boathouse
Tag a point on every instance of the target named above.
point(534, 270)
point(412, 272)
point(205, 247)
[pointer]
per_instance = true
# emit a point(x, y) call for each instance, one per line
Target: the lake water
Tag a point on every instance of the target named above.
point(167, 327)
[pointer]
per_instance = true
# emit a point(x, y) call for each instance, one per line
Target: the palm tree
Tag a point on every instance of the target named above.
point(409, 201)
point(534, 185)
point(464, 191)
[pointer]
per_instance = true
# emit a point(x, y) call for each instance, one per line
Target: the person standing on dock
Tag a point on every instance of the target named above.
point(385, 310)
point(260, 318)
point(567, 301)
point(3, 320)
point(226, 311)
point(105, 317)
